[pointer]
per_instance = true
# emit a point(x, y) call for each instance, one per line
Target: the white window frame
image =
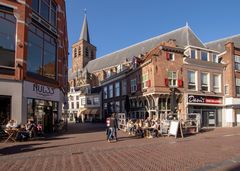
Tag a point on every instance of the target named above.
point(226, 89)
point(144, 81)
point(195, 80)
point(207, 55)
point(194, 53)
point(237, 62)
point(219, 83)
point(202, 81)
point(133, 85)
point(216, 59)
point(237, 86)
point(171, 79)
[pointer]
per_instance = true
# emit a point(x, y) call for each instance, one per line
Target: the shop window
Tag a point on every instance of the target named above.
point(204, 56)
point(41, 57)
point(216, 83)
point(117, 106)
point(172, 79)
point(133, 85)
point(7, 43)
point(47, 9)
point(191, 80)
point(204, 82)
point(117, 89)
point(5, 109)
point(110, 91)
point(237, 62)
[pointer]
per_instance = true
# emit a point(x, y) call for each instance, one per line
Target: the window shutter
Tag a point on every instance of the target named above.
point(149, 83)
point(167, 56)
point(180, 83)
point(166, 82)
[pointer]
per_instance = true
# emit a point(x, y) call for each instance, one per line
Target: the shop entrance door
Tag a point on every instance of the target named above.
point(208, 118)
point(48, 119)
point(5, 109)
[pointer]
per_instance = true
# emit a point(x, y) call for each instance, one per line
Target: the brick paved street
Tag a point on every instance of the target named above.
point(84, 147)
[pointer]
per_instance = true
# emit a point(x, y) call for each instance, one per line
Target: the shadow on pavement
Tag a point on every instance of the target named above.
point(76, 128)
point(234, 168)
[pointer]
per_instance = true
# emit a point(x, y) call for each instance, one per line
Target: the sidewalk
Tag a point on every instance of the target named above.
point(84, 147)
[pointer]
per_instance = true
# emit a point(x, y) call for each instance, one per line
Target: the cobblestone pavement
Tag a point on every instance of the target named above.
point(84, 147)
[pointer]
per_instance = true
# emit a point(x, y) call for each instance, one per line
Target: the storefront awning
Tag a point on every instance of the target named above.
point(90, 112)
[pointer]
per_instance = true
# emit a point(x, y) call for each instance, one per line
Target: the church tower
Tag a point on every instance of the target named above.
point(82, 51)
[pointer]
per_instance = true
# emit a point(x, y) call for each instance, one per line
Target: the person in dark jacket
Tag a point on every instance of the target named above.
point(113, 126)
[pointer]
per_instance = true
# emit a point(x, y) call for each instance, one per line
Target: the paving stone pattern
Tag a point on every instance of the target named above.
point(84, 147)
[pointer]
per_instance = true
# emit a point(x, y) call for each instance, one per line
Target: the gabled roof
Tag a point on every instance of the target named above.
point(184, 36)
point(219, 45)
point(85, 34)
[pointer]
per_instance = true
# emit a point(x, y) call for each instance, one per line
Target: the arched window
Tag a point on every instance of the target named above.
point(7, 42)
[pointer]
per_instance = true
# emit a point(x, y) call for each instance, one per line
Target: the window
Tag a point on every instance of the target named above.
point(191, 80)
point(119, 68)
point(92, 54)
point(124, 87)
point(7, 43)
point(86, 51)
point(204, 82)
point(89, 102)
point(77, 97)
point(83, 101)
point(216, 83)
point(133, 85)
point(109, 73)
point(75, 52)
point(41, 57)
point(47, 9)
point(204, 56)
point(215, 58)
point(144, 81)
point(77, 105)
point(96, 101)
point(237, 62)
point(117, 89)
point(79, 51)
point(171, 56)
point(172, 79)
point(110, 91)
point(105, 93)
point(238, 86)
point(193, 54)
point(226, 89)
point(72, 105)
point(117, 106)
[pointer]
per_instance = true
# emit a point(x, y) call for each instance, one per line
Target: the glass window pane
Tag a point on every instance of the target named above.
point(44, 12)
point(35, 5)
point(193, 54)
point(204, 56)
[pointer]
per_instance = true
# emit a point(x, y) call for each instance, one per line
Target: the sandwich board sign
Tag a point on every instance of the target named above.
point(173, 130)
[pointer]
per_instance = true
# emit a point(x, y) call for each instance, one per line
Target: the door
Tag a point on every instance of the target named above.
point(208, 118)
point(48, 119)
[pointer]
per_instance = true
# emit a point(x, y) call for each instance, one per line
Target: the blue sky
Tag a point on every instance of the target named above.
point(115, 24)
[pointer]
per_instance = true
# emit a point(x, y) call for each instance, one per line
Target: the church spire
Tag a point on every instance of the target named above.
point(85, 34)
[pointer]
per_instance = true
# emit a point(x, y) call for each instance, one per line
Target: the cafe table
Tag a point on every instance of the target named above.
point(12, 132)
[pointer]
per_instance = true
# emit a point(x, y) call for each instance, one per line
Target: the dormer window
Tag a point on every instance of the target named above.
point(204, 56)
point(193, 54)
point(215, 57)
point(109, 73)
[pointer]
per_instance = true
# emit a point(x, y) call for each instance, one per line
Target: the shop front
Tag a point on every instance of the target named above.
point(43, 105)
point(209, 108)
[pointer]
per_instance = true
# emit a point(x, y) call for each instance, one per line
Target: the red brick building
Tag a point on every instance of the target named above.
point(34, 60)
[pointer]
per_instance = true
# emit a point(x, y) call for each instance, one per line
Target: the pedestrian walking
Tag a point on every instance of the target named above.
point(112, 127)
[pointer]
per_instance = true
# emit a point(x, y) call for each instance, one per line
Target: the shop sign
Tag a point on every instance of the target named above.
point(34, 90)
point(204, 99)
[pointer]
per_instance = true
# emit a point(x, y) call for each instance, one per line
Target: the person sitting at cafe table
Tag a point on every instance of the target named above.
point(31, 128)
point(11, 124)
